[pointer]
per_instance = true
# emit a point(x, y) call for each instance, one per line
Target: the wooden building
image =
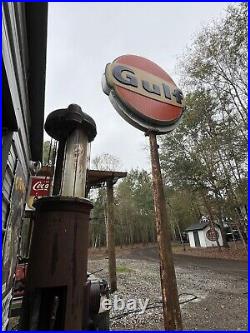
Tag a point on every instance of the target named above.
point(203, 234)
point(24, 42)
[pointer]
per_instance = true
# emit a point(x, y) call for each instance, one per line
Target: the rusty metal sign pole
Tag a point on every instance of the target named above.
point(110, 236)
point(170, 299)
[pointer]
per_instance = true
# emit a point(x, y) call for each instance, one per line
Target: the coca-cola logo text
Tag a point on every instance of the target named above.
point(39, 186)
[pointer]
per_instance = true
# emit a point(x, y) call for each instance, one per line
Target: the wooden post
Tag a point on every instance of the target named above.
point(111, 237)
point(171, 306)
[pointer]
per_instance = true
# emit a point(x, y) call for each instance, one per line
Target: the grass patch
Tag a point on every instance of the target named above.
point(123, 269)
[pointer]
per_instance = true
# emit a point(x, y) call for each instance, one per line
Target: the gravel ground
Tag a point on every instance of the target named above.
point(220, 299)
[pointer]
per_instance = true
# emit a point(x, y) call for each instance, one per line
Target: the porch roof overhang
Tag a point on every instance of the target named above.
point(98, 178)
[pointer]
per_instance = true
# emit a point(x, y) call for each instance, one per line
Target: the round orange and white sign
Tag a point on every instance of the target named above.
point(143, 93)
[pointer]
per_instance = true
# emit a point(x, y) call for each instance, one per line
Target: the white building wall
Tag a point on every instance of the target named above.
point(204, 241)
point(191, 238)
point(202, 237)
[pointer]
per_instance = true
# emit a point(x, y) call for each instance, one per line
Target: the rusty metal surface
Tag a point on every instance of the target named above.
point(171, 307)
point(46, 171)
point(111, 237)
point(86, 303)
point(58, 260)
point(57, 292)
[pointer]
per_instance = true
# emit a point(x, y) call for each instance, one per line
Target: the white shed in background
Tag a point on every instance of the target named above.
point(202, 235)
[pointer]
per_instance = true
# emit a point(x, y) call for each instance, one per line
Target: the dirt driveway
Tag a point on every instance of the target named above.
point(213, 291)
point(212, 264)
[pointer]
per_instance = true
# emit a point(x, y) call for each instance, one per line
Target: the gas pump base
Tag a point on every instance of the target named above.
point(57, 287)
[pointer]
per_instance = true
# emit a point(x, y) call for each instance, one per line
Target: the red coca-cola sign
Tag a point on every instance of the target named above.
point(40, 186)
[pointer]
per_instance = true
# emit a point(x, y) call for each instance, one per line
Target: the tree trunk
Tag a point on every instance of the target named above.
point(223, 233)
point(210, 218)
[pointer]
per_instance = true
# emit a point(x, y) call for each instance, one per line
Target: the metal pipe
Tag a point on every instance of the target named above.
point(58, 169)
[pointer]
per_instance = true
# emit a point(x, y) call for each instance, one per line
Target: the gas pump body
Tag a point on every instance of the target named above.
point(58, 291)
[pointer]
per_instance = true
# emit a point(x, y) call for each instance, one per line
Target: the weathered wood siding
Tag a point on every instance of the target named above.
point(16, 152)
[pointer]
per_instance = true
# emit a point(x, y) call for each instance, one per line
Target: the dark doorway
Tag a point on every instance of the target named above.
point(196, 239)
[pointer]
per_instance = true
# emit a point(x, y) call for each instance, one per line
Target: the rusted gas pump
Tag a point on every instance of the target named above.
point(57, 290)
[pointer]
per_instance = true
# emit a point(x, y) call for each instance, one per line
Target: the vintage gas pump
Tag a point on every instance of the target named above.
point(57, 290)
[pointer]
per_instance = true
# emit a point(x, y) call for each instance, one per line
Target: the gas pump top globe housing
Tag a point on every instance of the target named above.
point(143, 94)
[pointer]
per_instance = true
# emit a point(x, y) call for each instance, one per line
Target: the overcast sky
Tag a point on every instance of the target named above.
point(84, 37)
